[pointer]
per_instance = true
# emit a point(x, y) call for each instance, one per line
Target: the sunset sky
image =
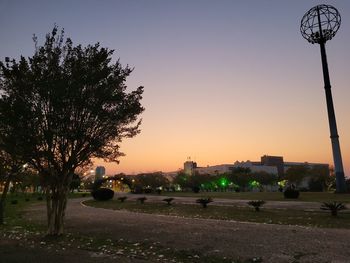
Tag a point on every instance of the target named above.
point(224, 80)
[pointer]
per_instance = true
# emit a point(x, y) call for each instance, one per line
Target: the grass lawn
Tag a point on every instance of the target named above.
point(15, 204)
point(268, 216)
point(267, 196)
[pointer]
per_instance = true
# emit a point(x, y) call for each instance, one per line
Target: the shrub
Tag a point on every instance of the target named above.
point(256, 204)
point(102, 194)
point(83, 195)
point(204, 201)
point(291, 193)
point(14, 202)
point(39, 198)
point(195, 189)
point(334, 207)
point(27, 199)
point(122, 199)
point(168, 200)
point(142, 199)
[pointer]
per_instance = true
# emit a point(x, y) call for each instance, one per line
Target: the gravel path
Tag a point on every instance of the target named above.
point(274, 243)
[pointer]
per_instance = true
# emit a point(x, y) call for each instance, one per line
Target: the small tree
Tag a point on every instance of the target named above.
point(256, 204)
point(333, 207)
point(122, 198)
point(168, 200)
point(204, 201)
point(142, 199)
point(73, 107)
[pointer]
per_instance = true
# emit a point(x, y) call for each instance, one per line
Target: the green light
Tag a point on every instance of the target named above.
point(223, 182)
point(282, 183)
point(254, 183)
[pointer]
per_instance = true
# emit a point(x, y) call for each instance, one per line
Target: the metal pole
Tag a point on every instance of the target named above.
point(338, 163)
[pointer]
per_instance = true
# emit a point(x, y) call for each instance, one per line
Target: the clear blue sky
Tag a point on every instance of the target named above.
point(224, 80)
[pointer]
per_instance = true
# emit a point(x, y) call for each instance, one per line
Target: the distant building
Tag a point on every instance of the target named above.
point(226, 168)
point(276, 161)
point(189, 167)
point(100, 172)
point(269, 164)
point(288, 165)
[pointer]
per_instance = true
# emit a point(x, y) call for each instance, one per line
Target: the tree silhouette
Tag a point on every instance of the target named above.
point(75, 107)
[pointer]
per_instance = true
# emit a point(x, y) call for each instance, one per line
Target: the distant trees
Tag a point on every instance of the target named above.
point(149, 181)
point(297, 173)
point(238, 179)
point(318, 178)
point(195, 182)
point(70, 105)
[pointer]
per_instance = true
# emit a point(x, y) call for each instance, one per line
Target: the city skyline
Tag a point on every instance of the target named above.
point(223, 81)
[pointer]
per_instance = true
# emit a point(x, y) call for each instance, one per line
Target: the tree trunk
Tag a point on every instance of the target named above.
point(56, 202)
point(3, 199)
point(56, 206)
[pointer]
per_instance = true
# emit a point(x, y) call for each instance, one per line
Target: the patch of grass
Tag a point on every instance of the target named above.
point(267, 196)
point(243, 214)
point(79, 194)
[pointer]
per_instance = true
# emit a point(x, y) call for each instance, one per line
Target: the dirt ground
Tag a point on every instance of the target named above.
point(272, 243)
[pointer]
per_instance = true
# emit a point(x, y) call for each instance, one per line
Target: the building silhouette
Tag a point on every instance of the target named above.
point(100, 171)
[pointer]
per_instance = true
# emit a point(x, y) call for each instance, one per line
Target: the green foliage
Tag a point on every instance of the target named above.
point(256, 204)
point(204, 201)
point(75, 183)
point(14, 202)
point(102, 194)
point(195, 182)
point(151, 181)
point(333, 207)
point(321, 179)
point(142, 199)
point(297, 173)
point(264, 178)
point(168, 200)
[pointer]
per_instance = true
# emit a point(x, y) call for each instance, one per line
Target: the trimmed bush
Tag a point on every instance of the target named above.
point(40, 198)
point(102, 194)
point(14, 202)
point(291, 193)
point(27, 199)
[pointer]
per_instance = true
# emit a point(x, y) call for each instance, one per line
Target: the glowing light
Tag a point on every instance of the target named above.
point(223, 182)
point(282, 183)
point(254, 184)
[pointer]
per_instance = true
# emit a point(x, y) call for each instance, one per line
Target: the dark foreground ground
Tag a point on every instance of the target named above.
point(200, 237)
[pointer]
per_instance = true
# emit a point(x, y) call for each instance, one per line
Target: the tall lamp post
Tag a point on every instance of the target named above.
point(319, 25)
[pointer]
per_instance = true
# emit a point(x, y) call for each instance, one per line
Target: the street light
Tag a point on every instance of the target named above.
point(319, 25)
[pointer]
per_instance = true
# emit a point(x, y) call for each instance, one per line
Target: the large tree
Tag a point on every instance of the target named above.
point(76, 108)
